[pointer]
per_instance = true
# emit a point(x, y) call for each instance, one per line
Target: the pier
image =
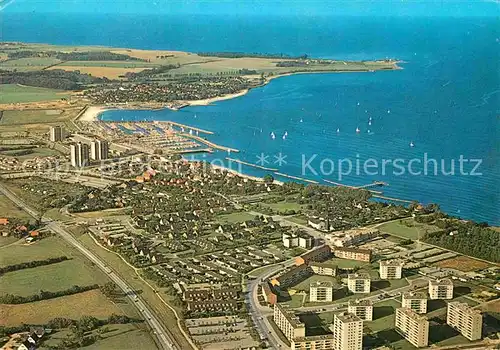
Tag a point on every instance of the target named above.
point(373, 184)
point(338, 184)
point(392, 199)
point(210, 144)
point(250, 164)
point(296, 178)
point(190, 127)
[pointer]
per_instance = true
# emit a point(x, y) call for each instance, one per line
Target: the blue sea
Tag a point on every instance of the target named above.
point(445, 101)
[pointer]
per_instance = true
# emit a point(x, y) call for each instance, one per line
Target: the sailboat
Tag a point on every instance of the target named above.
point(273, 136)
point(358, 103)
point(357, 130)
point(412, 144)
point(301, 120)
point(285, 135)
point(338, 130)
point(370, 122)
point(195, 116)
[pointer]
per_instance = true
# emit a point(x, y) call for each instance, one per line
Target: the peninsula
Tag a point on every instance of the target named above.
point(39, 75)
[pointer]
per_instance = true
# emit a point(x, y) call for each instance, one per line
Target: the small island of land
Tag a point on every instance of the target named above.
point(40, 76)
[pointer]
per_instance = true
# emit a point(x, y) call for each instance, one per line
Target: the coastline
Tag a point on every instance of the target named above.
point(92, 113)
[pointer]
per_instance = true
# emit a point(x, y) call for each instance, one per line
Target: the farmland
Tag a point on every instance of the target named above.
point(33, 116)
point(90, 303)
point(463, 263)
point(12, 93)
point(50, 278)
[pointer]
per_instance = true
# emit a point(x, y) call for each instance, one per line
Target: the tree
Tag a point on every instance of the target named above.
point(268, 179)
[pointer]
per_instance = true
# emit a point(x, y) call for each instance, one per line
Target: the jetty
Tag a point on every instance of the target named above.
point(337, 184)
point(296, 178)
point(373, 184)
point(250, 164)
point(392, 199)
point(190, 127)
point(210, 144)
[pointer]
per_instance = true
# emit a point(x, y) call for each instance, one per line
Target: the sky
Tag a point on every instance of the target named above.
point(454, 8)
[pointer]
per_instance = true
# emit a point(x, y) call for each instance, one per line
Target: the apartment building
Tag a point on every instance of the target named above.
point(325, 268)
point(270, 296)
point(319, 254)
point(353, 237)
point(361, 308)
point(56, 133)
point(300, 239)
point(79, 155)
point(359, 282)
point(321, 292)
point(391, 269)
point(292, 276)
point(412, 326)
point(99, 149)
point(441, 289)
point(353, 254)
point(465, 319)
point(347, 332)
point(417, 301)
point(316, 342)
point(288, 323)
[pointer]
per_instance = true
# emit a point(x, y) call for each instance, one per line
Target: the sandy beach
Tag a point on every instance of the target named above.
point(92, 113)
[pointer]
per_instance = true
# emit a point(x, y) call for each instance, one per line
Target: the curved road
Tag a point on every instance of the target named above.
point(163, 337)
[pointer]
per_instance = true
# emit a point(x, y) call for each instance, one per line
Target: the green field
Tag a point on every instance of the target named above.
point(50, 278)
point(113, 64)
point(28, 64)
point(9, 210)
point(33, 152)
point(50, 247)
point(12, 93)
point(235, 217)
point(283, 206)
point(118, 336)
point(33, 116)
point(90, 303)
point(407, 228)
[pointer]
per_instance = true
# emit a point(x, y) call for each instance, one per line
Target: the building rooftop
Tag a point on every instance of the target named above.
point(346, 317)
point(356, 302)
point(415, 295)
point(353, 250)
point(392, 262)
point(360, 275)
point(328, 263)
point(290, 317)
point(322, 284)
point(464, 307)
point(443, 282)
point(314, 337)
point(412, 314)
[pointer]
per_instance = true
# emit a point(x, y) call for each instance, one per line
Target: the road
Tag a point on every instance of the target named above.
point(259, 318)
point(151, 319)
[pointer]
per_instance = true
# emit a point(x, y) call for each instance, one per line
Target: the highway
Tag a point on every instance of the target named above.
point(151, 319)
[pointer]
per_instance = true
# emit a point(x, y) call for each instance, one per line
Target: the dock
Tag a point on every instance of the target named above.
point(296, 178)
point(250, 164)
point(210, 144)
point(190, 127)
